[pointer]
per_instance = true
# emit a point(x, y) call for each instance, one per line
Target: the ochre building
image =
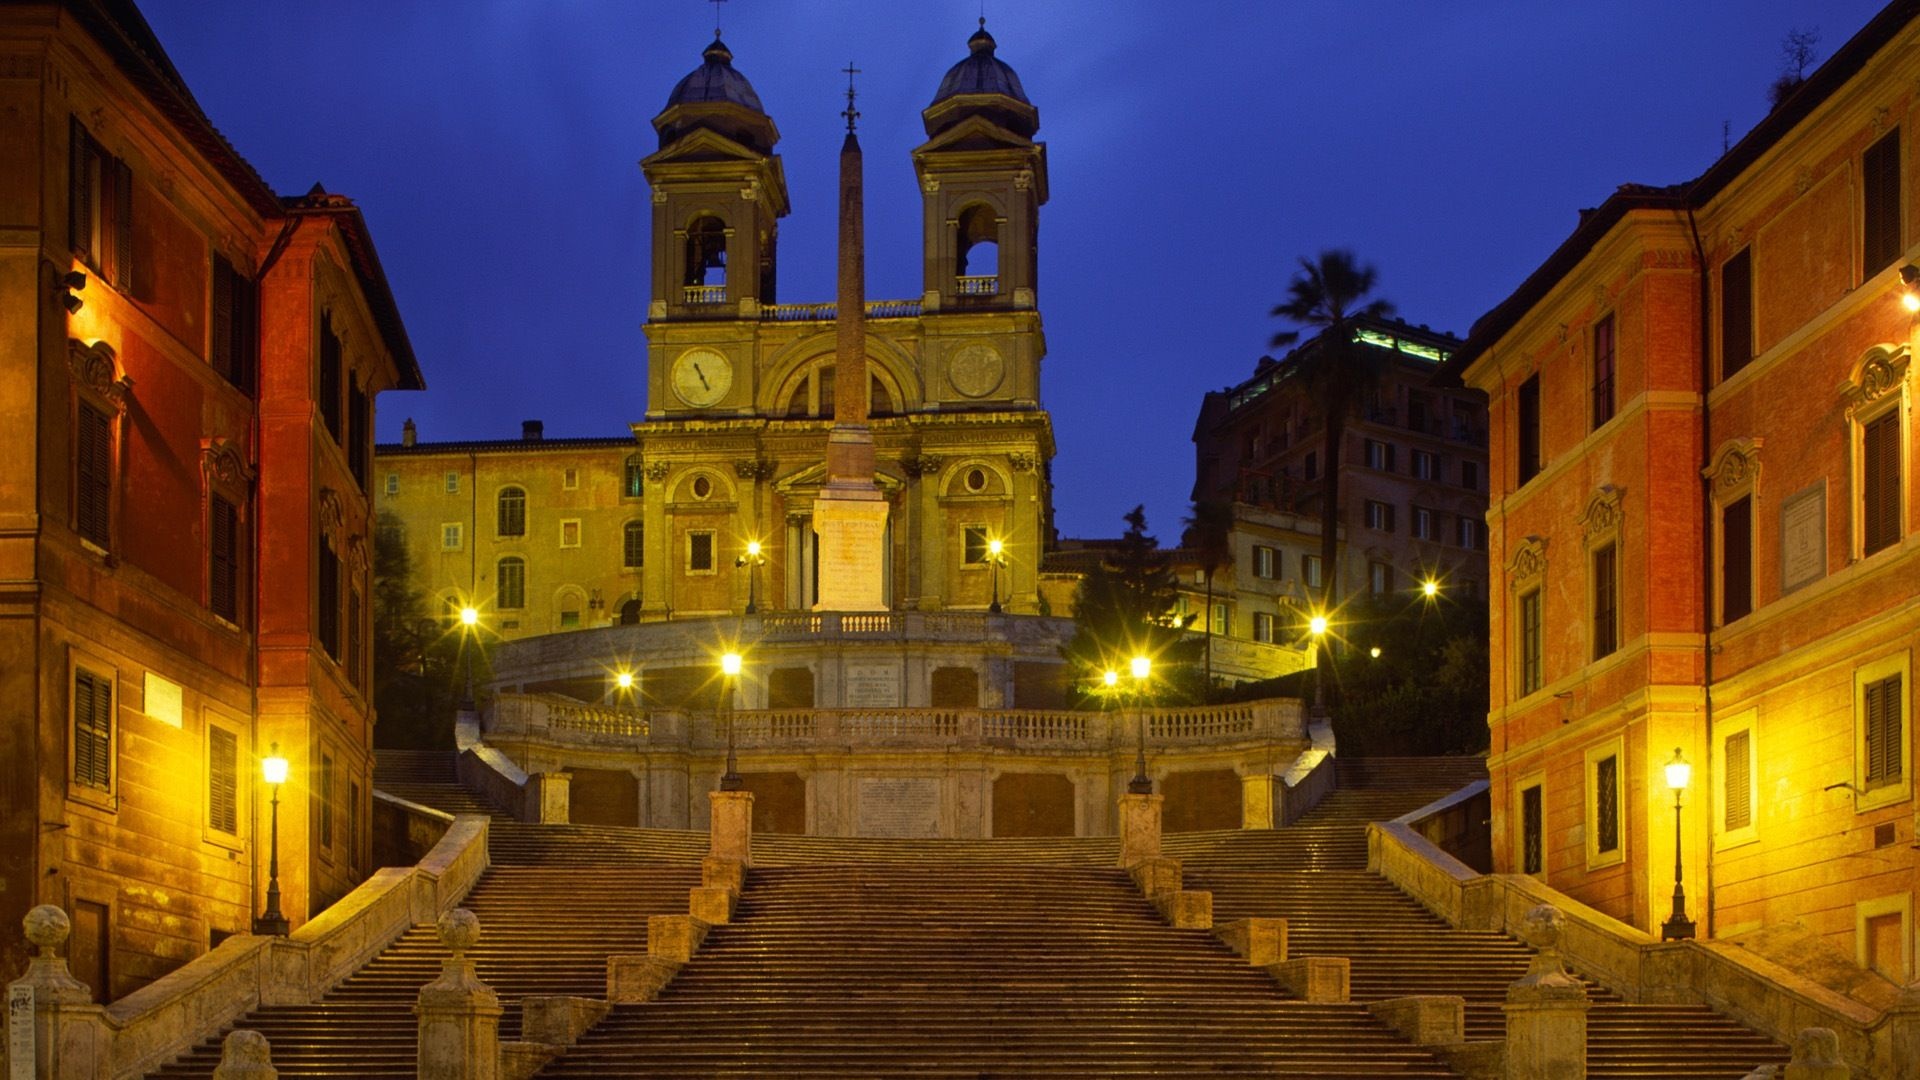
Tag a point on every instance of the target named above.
point(1702, 530)
point(186, 414)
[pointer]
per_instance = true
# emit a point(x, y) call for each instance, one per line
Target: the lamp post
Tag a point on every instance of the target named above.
point(996, 554)
point(469, 637)
point(273, 769)
point(1141, 784)
point(729, 672)
point(1317, 626)
point(752, 560)
point(1677, 926)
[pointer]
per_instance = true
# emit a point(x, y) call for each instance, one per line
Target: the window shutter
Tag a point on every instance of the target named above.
point(223, 521)
point(1528, 409)
point(1880, 168)
point(122, 225)
point(221, 332)
point(1736, 313)
point(223, 781)
point(92, 730)
point(1738, 764)
point(1882, 708)
point(93, 458)
point(79, 192)
point(1880, 483)
point(1736, 560)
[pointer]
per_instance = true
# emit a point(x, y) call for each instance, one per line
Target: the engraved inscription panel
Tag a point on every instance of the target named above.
point(899, 806)
point(1803, 538)
point(872, 686)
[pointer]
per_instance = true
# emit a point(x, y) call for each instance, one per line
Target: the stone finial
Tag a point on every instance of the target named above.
point(459, 929)
point(246, 1055)
point(1541, 928)
point(48, 928)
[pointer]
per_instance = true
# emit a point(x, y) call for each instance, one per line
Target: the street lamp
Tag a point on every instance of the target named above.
point(996, 554)
point(1317, 626)
point(752, 560)
point(729, 672)
point(469, 629)
point(1677, 926)
point(1430, 588)
point(273, 769)
point(1141, 784)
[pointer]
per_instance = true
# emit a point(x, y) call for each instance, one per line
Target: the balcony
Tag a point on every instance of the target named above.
point(977, 285)
point(876, 309)
point(704, 295)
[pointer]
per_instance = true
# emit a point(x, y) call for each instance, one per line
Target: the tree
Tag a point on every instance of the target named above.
point(416, 660)
point(1796, 55)
point(1426, 691)
point(1123, 608)
point(1209, 536)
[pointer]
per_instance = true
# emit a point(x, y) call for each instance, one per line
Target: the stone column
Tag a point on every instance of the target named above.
point(459, 1016)
point(1546, 1008)
point(730, 829)
point(69, 1032)
point(549, 798)
point(246, 1056)
point(1139, 828)
point(1256, 800)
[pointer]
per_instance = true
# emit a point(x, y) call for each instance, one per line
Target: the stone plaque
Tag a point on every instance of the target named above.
point(853, 547)
point(20, 1049)
point(899, 806)
point(1803, 538)
point(872, 686)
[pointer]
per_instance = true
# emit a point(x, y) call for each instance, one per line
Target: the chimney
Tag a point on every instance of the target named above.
point(532, 430)
point(408, 433)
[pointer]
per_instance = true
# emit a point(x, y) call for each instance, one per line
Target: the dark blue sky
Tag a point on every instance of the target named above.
point(1196, 149)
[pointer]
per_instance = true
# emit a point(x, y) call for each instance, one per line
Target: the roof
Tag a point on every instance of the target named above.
point(1416, 345)
point(715, 80)
point(372, 279)
point(981, 72)
point(489, 446)
point(1844, 64)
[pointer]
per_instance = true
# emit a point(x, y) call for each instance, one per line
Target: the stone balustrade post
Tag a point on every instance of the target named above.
point(730, 828)
point(69, 1030)
point(459, 1016)
point(1256, 800)
point(245, 1055)
point(549, 798)
point(1546, 1008)
point(1139, 828)
point(1816, 1056)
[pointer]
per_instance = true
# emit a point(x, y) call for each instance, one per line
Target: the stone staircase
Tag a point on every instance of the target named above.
point(973, 967)
point(426, 777)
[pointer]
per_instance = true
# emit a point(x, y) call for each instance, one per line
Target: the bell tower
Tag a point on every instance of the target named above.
point(983, 179)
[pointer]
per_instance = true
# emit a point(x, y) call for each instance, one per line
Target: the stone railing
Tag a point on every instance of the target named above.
point(704, 294)
point(165, 1018)
point(915, 625)
point(576, 716)
point(827, 312)
point(1878, 1044)
point(977, 284)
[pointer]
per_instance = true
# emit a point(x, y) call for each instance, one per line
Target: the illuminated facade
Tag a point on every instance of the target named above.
point(1702, 530)
point(188, 404)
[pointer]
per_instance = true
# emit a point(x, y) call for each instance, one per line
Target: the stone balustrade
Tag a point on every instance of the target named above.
point(827, 312)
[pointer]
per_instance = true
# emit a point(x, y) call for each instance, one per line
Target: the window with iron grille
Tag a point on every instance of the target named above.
point(92, 729)
point(633, 545)
point(1880, 204)
point(1606, 804)
point(1881, 705)
point(1606, 601)
point(223, 781)
point(1738, 774)
point(1531, 829)
point(1603, 371)
point(700, 551)
point(1880, 482)
point(633, 483)
point(1530, 640)
point(512, 517)
point(510, 582)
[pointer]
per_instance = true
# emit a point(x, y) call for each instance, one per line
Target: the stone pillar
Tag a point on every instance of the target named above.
point(730, 832)
point(549, 798)
point(459, 1016)
point(1816, 1056)
point(1256, 801)
point(246, 1056)
point(1139, 828)
point(1546, 1008)
point(69, 1031)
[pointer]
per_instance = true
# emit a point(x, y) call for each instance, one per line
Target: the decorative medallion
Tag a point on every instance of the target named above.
point(332, 513)
point(1603, 513)
point(976, 370)
point(223, 464)
point(93, 368)
point(657, 470)
point(1737, 465)
point(1021, 461)
point(1530, 561)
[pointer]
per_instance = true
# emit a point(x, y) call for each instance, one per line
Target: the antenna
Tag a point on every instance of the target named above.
point(716, 15)
point(851, 113)
point(1726, 135)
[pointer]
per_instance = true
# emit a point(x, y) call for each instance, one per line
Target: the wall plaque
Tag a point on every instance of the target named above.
point(1803, 538)
point(20, 1049)
point(872, 686)
point(900, 806)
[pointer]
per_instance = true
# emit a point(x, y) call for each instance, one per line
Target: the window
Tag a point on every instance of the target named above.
point(323, 803)
point(356, 640)
point(223, 559)
point(1417, 412)
point(1606, 806)
point(1527, 418)
point(1379, 516)
point(330, 376)
point(510, 582)
point(1310, 571)
point(1263, 626)
point(973, 545)
point(700, 552)
point(1263, 561)
point(327, 613)
point(353, 826)
point(1313, 465)
point(359, 437)
point(235, 334)
point(633, 546)
point(1530, 640)
point(633, 482)
point(99, 207)
point(453, 483)
point(1880, 204)
point(1882, 732)
point(1880, 482)
point(570, 479)
point(512, 516)
point(1379, 455)
point(570, 533)
point(223, 781)
point(1737, 773)
point(1379, 578)
point(1736, 313)
point(1881, 714)
point(570, 619)
point(1606, 601)
point(1602, 371)
point(393, 484)
point(1426, 465)
point(92, 729)
point(451, 536)
point(1424, 527)
point(93, 472)
point(1736, 559)
point(1469, 533)
point(1470, 475)
point(1532, 828)
point(1222, 622)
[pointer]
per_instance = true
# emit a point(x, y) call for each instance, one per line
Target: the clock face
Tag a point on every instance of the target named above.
point(701, 377)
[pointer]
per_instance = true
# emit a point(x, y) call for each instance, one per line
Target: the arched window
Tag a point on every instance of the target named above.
point(510, 582)
point(513, 512)
point(634, 482)
point(706, 252)
point(634, 546)
point(976, 246)
point(880, 403)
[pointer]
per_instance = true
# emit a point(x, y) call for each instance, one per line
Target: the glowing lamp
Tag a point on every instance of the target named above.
point(624, 680)
point(469, 616)
point(1430, 588)
point(1317, 625)
point(273, 769)
point(730, 664)
point(1142, 667)
point(1910, 287)
point(1678, 772)
point(1111, 677)
point(753, 549)
point(994, 547)
point(1374, 652)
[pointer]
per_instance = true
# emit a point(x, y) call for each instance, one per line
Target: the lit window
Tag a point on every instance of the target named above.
point(510, 582)
point(1263, 626)
point(1379, 515)
point(512, 517)
point(973, 545)
point(451, 536)
point(1263, 561)
point(453, 483)
point(393, 483)
point(1423, 524)
point(634, 481)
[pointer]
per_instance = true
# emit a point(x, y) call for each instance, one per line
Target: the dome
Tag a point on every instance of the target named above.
point(716, 82)
point(981, 72)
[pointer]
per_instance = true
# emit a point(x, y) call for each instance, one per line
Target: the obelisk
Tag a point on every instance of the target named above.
point(850, 514)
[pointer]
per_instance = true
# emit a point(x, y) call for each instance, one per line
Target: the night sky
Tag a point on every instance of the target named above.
point(1196, 149)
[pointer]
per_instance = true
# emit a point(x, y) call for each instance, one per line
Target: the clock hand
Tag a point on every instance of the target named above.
point(703, 377)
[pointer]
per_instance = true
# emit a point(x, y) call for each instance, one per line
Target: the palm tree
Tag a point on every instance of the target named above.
point(1209, 535)
point(1330, 297)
